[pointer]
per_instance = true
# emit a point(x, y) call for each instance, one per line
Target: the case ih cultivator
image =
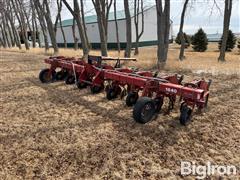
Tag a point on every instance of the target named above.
point(119, 81)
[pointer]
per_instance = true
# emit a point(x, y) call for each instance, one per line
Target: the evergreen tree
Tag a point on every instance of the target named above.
point(186, 37)
point(231, 41)
point(238, 44)
point(200, 41)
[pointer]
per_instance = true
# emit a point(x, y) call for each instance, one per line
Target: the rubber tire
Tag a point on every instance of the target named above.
point(61, 75)
point(111, 94)
point(138, 108)
point(96, 89)
point(70, 79)
point(42, 75)
point(185, 114)
point(81, 85)
point(131, 99)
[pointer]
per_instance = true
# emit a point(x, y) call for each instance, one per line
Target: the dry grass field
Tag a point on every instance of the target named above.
point(56, 131)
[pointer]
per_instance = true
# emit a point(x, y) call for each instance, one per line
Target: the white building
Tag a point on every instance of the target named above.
point(148, 38)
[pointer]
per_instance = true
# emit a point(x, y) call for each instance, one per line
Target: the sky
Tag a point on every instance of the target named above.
point(200, 13)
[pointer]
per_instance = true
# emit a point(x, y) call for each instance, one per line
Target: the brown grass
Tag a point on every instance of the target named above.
point(55, 131)
point(197, 62)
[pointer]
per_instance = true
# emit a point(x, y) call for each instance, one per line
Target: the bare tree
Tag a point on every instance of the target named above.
point(226, 22)
point(102, 8)
point(137, 5)
point(37, 33)
point(128, 29)
point(84, 23)
point(116, 24)
point(77, 16)
point(15, 35)
point(47, 14)
point(10, 32)
point(1, 42)
point(42, 24)
point(181, 34)
point(33, 25)
point(23, 6)
point(11, 20)
point(163, 26)
point(59, 19)
point(4, 38)
point(74, 35)
point(21, 20)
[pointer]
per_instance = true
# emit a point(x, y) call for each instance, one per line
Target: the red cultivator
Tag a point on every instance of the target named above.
point(121, 81)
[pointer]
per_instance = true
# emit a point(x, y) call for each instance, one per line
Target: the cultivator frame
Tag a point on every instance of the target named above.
point(131, 82)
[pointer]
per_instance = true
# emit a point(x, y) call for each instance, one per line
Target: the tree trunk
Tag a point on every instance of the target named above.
point(116, 24)
point(43, 25)
point(37, 34)
point(46, 42)
point(33, 35)
point(84, 23)
point(105, 17)
point(227, 16)
point(63, 34)
point(77, 16)
point(1, 42)
point(11, 35)
point(182, 39)
point(9, 30)
point(128, 29)
point(51, 31)
point(163, 26)
point(6, 33)
point(24, 13)
point(25, 18)
point(59, 4)
point(21, 22)
point(74, 35)
point(15, 40)
point(5, 44)
point(102, 36)
point(136, 22)
point(100, 11)
point(9, 16)
point(81, 30)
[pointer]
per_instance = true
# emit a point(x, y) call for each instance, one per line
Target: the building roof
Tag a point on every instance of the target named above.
point(93, 18)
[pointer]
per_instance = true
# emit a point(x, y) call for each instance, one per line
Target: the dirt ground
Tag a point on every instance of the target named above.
point(55, 131)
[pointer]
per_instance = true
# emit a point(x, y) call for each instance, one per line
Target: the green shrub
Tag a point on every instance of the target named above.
point(186, 37)
point(200, 41)
point(231, 41)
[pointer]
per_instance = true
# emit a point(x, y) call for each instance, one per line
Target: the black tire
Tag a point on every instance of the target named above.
point(96, 89)
point(46, 77)
point(81, 85)
point(111, 93)
point(61, 75)
point(70, 79)
point(185, 114)
point(131, 99)
point(144, 110)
